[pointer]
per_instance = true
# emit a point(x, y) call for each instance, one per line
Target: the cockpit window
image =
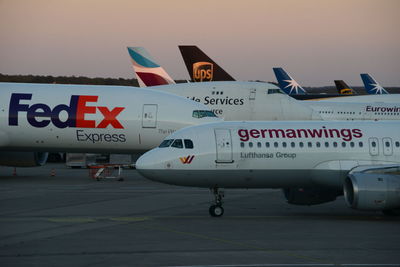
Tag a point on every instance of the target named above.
point(203, 113)
point(177, 143)
point(188, 143)
point(166, 143)
point(275, 91)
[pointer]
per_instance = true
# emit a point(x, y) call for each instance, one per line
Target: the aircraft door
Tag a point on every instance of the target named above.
point(149, 116)
point(373, 146)
point(252, 95)
point(223, 140)
point(387, 146)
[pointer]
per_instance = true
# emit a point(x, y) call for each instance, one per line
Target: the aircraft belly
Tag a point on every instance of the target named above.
point(233, 178)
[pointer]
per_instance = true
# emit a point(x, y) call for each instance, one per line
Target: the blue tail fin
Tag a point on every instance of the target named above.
point(287, 83)
point(371, 85)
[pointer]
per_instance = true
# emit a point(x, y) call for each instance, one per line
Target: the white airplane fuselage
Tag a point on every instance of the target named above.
point(242, 100)
point(82, 118)
point(272, 154)
point(253, 101)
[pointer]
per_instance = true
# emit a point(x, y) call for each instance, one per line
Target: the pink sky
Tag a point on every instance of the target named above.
point(317, 41)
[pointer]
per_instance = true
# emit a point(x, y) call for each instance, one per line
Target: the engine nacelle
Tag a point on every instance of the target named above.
point(23, 159)
point(310, 196)
point(372, 191)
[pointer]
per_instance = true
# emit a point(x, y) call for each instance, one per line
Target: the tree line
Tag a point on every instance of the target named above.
point(70, 80)
point(129, 82)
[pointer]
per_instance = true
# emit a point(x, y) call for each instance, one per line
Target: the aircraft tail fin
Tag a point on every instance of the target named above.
point(287, 83)
point(371, 85)
point(202, 68)
point(343, 88)
point(148, 72)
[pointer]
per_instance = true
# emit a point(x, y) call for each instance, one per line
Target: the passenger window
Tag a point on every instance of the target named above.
point(258, 144)
point(318, 144)
point(352, 144)
point(250, 144)
point(292, 144)
point(275, 144)
point(241, 144)
point(387, 144)
point(267, 144)
point(334, 144)
point(309, 144)
point(166, 143)
point(177, 143)
point(326, 144)
point(397, 144)
point(360, 144)
point(343, 144)
point(188, 143)
point(301, 144)
point(373, 144)
point(284, 144)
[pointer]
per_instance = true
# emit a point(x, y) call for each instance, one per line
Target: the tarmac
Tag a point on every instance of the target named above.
point(70, 219)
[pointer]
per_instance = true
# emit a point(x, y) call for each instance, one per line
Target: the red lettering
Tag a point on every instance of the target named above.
point(110, 117)
point(254, 133)
point(83, 109)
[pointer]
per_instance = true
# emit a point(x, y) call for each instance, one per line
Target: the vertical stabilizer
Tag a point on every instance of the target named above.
point(201, 68)
point(343, 88)
point(148, 72)
point(371, 85)
point(287, 83)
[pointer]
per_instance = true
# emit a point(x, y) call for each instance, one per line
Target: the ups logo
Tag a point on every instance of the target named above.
point(203, 71)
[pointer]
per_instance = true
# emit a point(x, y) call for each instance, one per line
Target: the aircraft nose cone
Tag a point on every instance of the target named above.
point(144, 162)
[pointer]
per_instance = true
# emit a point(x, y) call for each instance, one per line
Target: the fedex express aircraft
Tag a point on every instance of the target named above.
point(79, 118)
point(233, 100)
point(314, 162)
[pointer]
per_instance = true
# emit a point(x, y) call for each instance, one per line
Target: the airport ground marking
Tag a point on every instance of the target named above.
point(226, 241)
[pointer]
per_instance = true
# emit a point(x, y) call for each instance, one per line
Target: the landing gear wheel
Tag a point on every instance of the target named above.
point(216, 211)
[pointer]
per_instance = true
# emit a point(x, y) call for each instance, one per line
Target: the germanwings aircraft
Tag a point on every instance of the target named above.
point(371, 85)
point(314, 162)
point(233, 100)
point(36, 118)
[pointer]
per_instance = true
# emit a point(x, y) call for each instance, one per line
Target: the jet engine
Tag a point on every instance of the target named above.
point(310, 196)
point(372, 191)
point(23, 159)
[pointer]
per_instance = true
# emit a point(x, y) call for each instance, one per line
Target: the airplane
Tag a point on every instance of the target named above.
point(313, 162)
point(291, 87)
point(234, 100)
point(40, 118)
point(371, 85)
point(201, 67)
point(148, 72)
point(343, 88)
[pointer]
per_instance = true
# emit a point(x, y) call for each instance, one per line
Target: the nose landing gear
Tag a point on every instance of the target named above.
point(216, 210)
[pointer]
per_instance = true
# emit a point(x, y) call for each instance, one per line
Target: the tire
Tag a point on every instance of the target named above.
point(216, 211)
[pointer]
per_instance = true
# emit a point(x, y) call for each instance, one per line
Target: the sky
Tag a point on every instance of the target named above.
point(316, 41)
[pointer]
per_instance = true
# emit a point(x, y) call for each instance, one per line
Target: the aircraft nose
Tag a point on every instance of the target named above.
point(145, 162)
